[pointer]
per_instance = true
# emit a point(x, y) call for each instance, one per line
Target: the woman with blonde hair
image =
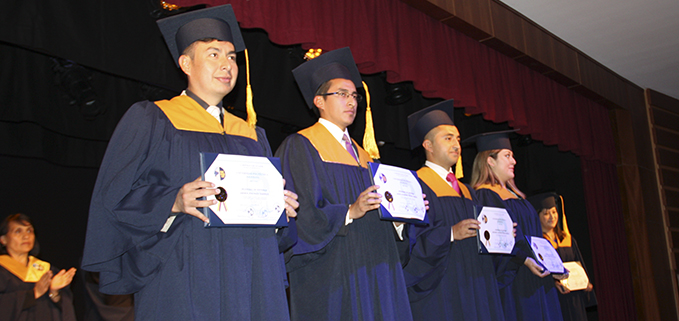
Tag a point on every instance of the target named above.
point(526, 292)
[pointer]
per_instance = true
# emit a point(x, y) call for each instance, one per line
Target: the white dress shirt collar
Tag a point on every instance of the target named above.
point(439, 170)
point(334, 130)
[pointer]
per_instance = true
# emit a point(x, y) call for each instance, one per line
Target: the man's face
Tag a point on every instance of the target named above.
point(212, 71)
point(443, 148)
point(340, 111)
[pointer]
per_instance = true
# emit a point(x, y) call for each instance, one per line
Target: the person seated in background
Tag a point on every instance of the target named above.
point(30, 289)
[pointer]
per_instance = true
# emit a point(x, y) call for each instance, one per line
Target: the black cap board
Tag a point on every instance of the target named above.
point(421, 122)
point(312, 74)
point(543, 201)
point(182, 30)
point(491, 140)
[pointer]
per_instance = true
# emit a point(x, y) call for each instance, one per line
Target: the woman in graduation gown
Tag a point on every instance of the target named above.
point(30, 289)
point(526, 291)
point(555, 229)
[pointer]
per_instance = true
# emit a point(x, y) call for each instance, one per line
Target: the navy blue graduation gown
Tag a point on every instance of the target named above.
point(449, 281)
point(338, 272)
point(574, 304)
point(190, 272)
point(524, 295)
point(18, 303)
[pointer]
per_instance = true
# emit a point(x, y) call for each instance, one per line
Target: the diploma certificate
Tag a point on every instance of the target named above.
point(496, 232)
point(577, 278)
point(546, 255)
point(251, 190)
point(401, 194)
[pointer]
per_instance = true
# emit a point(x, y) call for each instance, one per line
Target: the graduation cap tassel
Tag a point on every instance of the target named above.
point(458, 168)
point(369, 135)
point(249, 107)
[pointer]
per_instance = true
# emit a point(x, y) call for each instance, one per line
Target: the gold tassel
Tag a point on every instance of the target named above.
point(459, 173)
point(249, 107)
point(369, 135)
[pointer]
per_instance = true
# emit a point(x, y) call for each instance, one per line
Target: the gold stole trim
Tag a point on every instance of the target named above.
point(504, 193)
point(330, 150)
point(186, 114)
point(31, 273)
point(566, 242)
point(439, 186)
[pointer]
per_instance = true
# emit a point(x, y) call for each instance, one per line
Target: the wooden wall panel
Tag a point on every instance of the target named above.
point(665, 138)
point(666, 119)
point(670, 178)
point(566, 70)
point(507, 31)
point(673, 218)
point(663, 101)
point(668, 157)
point(672, 199)
point(539, 47)
point(437, 9)
point(476, 13)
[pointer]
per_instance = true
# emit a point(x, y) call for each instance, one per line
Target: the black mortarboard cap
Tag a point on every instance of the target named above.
point(312, 74)
point(543, 201)
point(182, 30)
point(421, 122)
point(492, 140)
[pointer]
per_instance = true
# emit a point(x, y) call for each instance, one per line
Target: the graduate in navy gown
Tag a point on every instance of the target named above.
point(447, 278)
point(146, 233)
point(550, 208)
point(345, 265)
point(526, 289)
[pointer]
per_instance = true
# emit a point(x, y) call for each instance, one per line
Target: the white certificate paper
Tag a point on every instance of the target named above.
point(401, 193)
point(546, 254)
point(496, 232)
point(577, 278)
point(251, 190)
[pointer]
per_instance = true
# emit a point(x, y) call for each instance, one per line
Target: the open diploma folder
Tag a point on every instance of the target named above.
point(577, 277)
point(251, 190)
point(545, 254)
point(496, 232)
point(401, 194)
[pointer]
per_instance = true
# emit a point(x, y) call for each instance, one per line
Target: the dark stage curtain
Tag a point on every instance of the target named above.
point(388, 35)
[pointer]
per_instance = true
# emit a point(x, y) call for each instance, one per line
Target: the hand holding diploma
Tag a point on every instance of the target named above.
point(465, 228)
point(291, 204)
point(187, 200)
point(535, 268)
point(368, 200)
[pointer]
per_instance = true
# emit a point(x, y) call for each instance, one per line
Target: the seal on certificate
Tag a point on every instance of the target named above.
point(221, 197)
point(486, 235)
point(389, 198)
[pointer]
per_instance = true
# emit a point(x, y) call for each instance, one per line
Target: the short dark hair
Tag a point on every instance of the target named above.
point(20, 218)
point(190, 49)
point(322, 89)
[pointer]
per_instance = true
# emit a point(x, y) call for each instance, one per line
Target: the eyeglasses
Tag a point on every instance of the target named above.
point(345, 95)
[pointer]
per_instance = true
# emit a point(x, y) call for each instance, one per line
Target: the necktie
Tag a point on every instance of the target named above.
point(215, 112)
point(347, 145)
point(453, 181)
